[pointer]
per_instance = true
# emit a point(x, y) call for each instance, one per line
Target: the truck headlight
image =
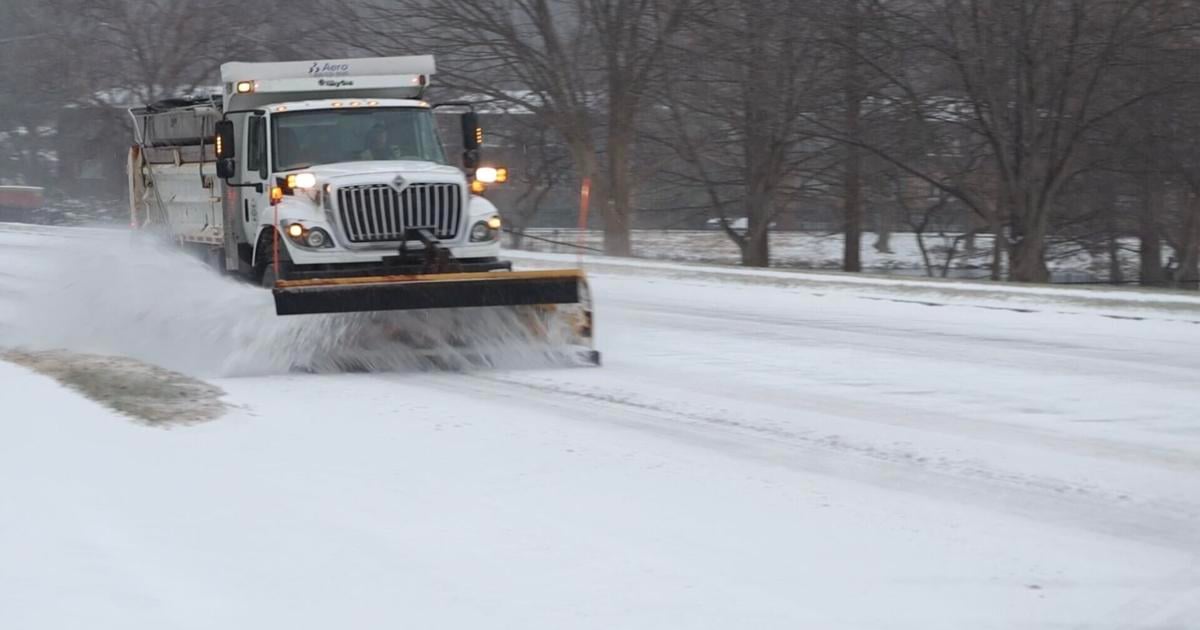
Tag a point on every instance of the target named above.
point(485, 230)
point(491, 174)
point(302, 181)
point(487, 174)
point(317, 238)
point(314, 238)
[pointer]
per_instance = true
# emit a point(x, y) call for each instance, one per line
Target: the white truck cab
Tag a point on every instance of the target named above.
point(349, 171)
point(326, 169)
point(344, 160)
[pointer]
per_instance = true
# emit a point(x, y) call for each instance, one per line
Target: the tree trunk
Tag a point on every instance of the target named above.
point(995, 221)
point(758, 171)
point(852, 256)
point(1149, 236)
point(852, 173)
point(1188, 275)
point(883, 240)
point(619, 144)
point(1115, 274)
point(1027, 248)
point(920, 236)
point(618, 210)
point(757, 252)
point(1112, 227)
point(974, 224)
point(1028, 258)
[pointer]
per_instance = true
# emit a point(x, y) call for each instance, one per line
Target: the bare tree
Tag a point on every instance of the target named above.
point(542, 171)
point(734, 96)
point(1153, 151)
point(1033, 79)
point(854, 93)
point(1040, 76)
point(161, 48)
point(582, 66)
point(38, 68)
point(1059, 124)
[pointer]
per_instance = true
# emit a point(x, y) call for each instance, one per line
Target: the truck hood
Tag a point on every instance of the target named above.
point(441, 172)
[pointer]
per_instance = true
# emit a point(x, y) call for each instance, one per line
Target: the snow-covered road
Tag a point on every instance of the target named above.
point(760, 450)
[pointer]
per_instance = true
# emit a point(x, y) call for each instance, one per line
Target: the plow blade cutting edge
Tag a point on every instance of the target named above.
point(412, 292)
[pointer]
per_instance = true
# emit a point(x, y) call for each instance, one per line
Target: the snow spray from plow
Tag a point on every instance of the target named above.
point(123, 294)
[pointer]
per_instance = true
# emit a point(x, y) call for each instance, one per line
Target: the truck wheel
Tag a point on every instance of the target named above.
point(265, 271)
point(215, 257)
point(268, 277)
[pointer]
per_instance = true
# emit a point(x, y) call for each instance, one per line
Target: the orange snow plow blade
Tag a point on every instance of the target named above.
point(432, 291)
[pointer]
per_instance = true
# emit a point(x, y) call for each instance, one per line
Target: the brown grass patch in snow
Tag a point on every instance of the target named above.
point(149, 394)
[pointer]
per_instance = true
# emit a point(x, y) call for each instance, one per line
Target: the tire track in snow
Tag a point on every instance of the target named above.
point(1160, 522)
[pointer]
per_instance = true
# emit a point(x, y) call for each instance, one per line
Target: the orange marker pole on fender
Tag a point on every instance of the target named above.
point(275, 244)
point(585, 197)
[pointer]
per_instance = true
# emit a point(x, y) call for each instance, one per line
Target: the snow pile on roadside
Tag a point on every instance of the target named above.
point(1067, 261)
point(1108, 301)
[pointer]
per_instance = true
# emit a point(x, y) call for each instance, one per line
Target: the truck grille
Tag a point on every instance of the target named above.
point(374, 213)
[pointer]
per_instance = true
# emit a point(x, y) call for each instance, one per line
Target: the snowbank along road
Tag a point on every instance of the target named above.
point(760, 450)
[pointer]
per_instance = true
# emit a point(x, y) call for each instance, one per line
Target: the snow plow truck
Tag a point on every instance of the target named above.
point(327, 182)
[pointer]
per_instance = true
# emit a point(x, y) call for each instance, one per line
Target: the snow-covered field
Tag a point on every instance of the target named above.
point(1068, 263)
point(762, 449)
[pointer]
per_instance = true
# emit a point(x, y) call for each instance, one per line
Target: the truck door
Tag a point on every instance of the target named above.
point(248, 190)
point(244, 191)
point(254, 171)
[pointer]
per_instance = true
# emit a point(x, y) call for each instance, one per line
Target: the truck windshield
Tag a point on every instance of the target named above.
point(307, 138)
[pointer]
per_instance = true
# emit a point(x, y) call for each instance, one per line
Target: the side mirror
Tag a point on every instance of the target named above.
point(472, 140)
point(226, 168)
point(225, 149)
point(224, 143)
point(471, 159)
point(472, 132)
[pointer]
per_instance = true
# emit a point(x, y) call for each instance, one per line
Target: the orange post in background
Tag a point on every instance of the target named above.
point(585, 196)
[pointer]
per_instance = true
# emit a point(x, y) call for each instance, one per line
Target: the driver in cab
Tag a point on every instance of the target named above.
point(380, 145)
